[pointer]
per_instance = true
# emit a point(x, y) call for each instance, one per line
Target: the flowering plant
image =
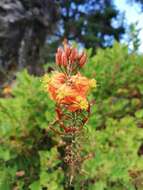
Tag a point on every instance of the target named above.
point(69, 89)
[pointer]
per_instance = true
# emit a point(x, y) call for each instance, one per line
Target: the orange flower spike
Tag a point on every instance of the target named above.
point(69, 90)
point(64, 59)
point(52, 92)
point(80, 84)
point(67, 50)
point(83, 60)
point(73, 55)
point(68, 100)
point(58, 79)
point(59, 56)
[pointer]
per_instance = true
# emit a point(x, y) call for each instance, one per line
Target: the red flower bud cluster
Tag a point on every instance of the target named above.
point(69, 57)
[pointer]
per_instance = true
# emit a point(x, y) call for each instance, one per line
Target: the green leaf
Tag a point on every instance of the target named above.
point(99, 185)
point(4, 154)
point(35, 185)
point(139, 114)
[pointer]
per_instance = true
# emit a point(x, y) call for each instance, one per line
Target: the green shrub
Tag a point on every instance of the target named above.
point(24, 140)
point(114, 130)
point(117, 119)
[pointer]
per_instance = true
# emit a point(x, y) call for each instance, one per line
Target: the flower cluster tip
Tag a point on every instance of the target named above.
point(66, 87)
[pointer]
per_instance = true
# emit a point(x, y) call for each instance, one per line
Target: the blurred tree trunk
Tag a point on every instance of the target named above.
point(24, 25)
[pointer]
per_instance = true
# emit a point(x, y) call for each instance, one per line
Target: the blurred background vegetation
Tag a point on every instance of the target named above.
point(32, 30)
point(29, 151)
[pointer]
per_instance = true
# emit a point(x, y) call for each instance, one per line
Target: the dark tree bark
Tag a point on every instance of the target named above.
point(24, 25)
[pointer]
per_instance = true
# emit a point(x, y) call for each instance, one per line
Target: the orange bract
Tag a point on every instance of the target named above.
point(70, 56)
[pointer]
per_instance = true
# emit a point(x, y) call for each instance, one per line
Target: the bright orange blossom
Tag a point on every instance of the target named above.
point(70, 91)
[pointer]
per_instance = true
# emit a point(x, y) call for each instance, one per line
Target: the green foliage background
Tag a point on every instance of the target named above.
point(115, 129)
